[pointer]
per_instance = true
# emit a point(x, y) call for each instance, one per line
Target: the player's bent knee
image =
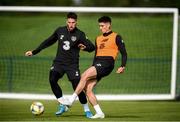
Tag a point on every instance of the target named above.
point(89, 92)
point(85, 77)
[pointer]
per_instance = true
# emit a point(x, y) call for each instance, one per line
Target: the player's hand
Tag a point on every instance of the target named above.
point(81, 46)
point(120, 70)
point(28, 53)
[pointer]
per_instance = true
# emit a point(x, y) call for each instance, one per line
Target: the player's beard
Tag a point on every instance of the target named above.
point(71, 28)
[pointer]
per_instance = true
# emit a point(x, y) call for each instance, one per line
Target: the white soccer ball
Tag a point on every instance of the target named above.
point(37, 108)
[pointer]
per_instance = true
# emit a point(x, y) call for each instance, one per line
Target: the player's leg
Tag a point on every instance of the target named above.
point(89, 91)
point(53, 79)
point(54, 76)
point(90, 73)
point(103, 68)
point(82, 99)
point(73, 74)
point(92, 98)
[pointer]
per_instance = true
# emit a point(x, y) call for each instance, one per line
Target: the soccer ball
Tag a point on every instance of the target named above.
point(37, 108)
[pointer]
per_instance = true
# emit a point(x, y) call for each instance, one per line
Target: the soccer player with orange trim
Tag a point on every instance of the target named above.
point(107, 47)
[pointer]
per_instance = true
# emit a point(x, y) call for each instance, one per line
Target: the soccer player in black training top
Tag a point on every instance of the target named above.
point(70, 41)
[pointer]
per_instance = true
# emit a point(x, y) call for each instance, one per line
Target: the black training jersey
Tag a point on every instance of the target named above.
point(68, 50)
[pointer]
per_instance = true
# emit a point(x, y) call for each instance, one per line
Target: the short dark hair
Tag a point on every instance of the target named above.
point(72, 15)
point(104, 19)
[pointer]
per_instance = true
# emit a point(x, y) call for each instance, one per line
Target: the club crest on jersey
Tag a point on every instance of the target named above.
point(73, 38)
point(61, 37)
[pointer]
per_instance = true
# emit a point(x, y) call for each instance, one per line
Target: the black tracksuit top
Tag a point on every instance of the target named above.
point(68, 50)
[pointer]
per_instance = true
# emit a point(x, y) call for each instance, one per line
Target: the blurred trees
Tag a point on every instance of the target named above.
point(107, 3)
point(35, 2)
point(132, 3)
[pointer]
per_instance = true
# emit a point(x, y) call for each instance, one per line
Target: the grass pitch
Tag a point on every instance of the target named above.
point(145, 50)
point(147, 39)
point(19, 110)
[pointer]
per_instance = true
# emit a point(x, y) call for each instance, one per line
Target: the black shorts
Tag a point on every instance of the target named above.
point(72, 71)
point(104, 66)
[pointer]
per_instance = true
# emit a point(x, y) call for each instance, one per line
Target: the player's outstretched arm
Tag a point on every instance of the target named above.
point(29, 53)
point(89, 45)
point(86, 44)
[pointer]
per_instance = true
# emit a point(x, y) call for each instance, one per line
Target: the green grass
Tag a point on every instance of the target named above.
point(148, 42)
point(147, 39)
point(19, 110)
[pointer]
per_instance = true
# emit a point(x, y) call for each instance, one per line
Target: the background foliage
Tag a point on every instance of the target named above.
point(112, 3)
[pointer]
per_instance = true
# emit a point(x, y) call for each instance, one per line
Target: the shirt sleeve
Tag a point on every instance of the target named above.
point(89, 45)
point(122, 49)
point(95, 51)
point(46, 43)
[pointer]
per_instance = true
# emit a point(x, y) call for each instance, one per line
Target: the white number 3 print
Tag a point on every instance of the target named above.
point(66, 45)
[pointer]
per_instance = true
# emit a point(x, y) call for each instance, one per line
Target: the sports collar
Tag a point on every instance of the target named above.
point(106, 34)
